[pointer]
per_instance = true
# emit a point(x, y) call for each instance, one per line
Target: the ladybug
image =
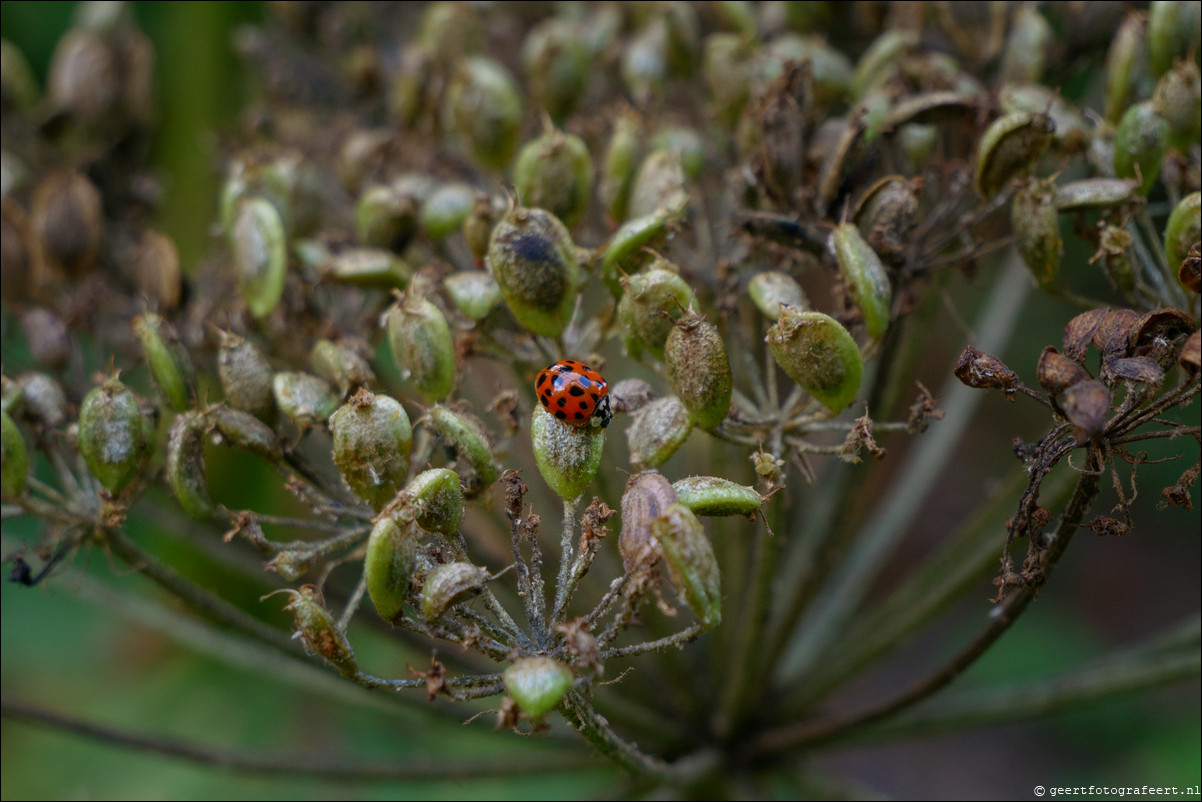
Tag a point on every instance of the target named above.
point(574, 393)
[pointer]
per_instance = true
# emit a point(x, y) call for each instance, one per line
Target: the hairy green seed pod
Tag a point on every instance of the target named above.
point(246, 377)
point(372, 441)
point(388, 566)
point(1172, 32)
point(474, 292)
point(451, 584)
point(568, 456)
point(1114, 252)
point(644, 61)
point(865, 276)
point(483, 106)
point(555, 172)
point(537, 684)
point(622, 156)
point(770, 289)
point(437, 499)
point(658, 430)
point(659, 184)
point(43, 400)
point(1008, 147)
point(699, 370)
point(14, 459)
point(647, 496)
point(626, 248)
point(319, 631)
point(422, 346)
point(1096, 193)
point(259, 254)
point(1178, 100)
point(533, 259)
point(1036, 224)
point(446, 209)
point(819, 354)
point(727, 63)
point(341, 365)
point(1183, 229)
point(557, 65)
point(691, 562)
point(466, 436)
point(711, 495)
point(1026, 47)
point(477, 227)
point(169, 362)
point(185, 466)
point(113, 434)
point(645, 306)
point(244, 431)
point(385, 218)
point(1127, 66)
point(881, 56)
point(369, 267)
point(1140, 142)
point(303, 398)
point(686, 142)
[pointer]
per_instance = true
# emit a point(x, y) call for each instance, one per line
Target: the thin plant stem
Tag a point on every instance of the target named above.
point(564, 583)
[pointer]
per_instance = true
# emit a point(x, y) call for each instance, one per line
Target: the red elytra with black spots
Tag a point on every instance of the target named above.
point(574, 393)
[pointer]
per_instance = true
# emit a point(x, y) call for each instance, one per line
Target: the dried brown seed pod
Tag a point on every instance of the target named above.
point(1158, 334)
point(1056, 372)
point(647, 496)
point(979, 369)
point(68, 220)
point(1087, 406)
point(1114, 331)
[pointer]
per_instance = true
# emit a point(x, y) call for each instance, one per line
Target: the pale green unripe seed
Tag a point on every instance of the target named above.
point(1026, 47)
point(340, 365)
point(727, 63)
point(699, 370)
point(626, 248)
point(555, 172)
point(658, 430)
point(1096, 193)
point(450, 584)
point(14, 459)
point(644, 64)
point(445, 210)
point(646, 305)
point(659, 184)
point(1178, 100)
point(259, 254)
point(830, 69)
point(1140, 142)
point(372, 440)
point(711, 495)
point(475, 293)
point(568, 456)
point(537, 684)
point(1009, 146)
point(368, 267)
point(1114, 253)
point(1183, 228)
point(819, 354)
point(244, 431)
point(884, 53)
point(865, 276)
point(1035, 220)
point(557, 65)
point(422, 346)
point(483, 107)
point(1173, 32)
point(1127, 65)
point(169, 362)
point(319, 631)
point(43, 400)
point(533, 259)
point(246, 377)
point(385, 218)
point(113, 436)
point(304, 399)
point(466, 436)
point(388, 566)
point(691, 562)
point(770, 289)
point(437, 499)
point(621, 160)
point(185, 466)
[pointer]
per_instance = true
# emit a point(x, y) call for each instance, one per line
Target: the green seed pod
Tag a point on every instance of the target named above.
point(1008, 147)
point(422, 346)
point(246, 377)
point(691, 562)
point(644, 61)
point(1127, 67)
point(699, 370)
point(319, 631)
point(437, 499)
point(259, 254)
point(1096, 193)
point(341, 365)
point(1178, 100)
point(647, 496)
point(830, 70)
point(20, 85)
point(621, 160)
point(865, 277)
point(1173, 32)
point(185, 466)
point(646, 304)
point(1073, 130)
point(113, 434)
point(1114, 252)
point(917, 142)
point(770, 289)
point(533, 259)
point(554, 172)
point(626, 248)
point(477, 228)
point(881, 56)
point(369, 267)
point(446, 209)
point(658, 430)
point(305, 399)
point(688, 143)
point(244, 431)
point(819, 354)
point(557, 65)
point(727, 63)
point(372, 441)
point(169, 362)
point(450, 584)
point(568, 456)
point(1140, 142)
point(42, 399)
point(483, 107)
point(474, 292)
point(388, 566)
point(1026, 47)
point(385, 218)
point(1036, 224)
point(659, 184)
point(451, 30)
point(1183, 229)
point(14, 459)
point(710, 495)
point(466, 436)
point(537, 684)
